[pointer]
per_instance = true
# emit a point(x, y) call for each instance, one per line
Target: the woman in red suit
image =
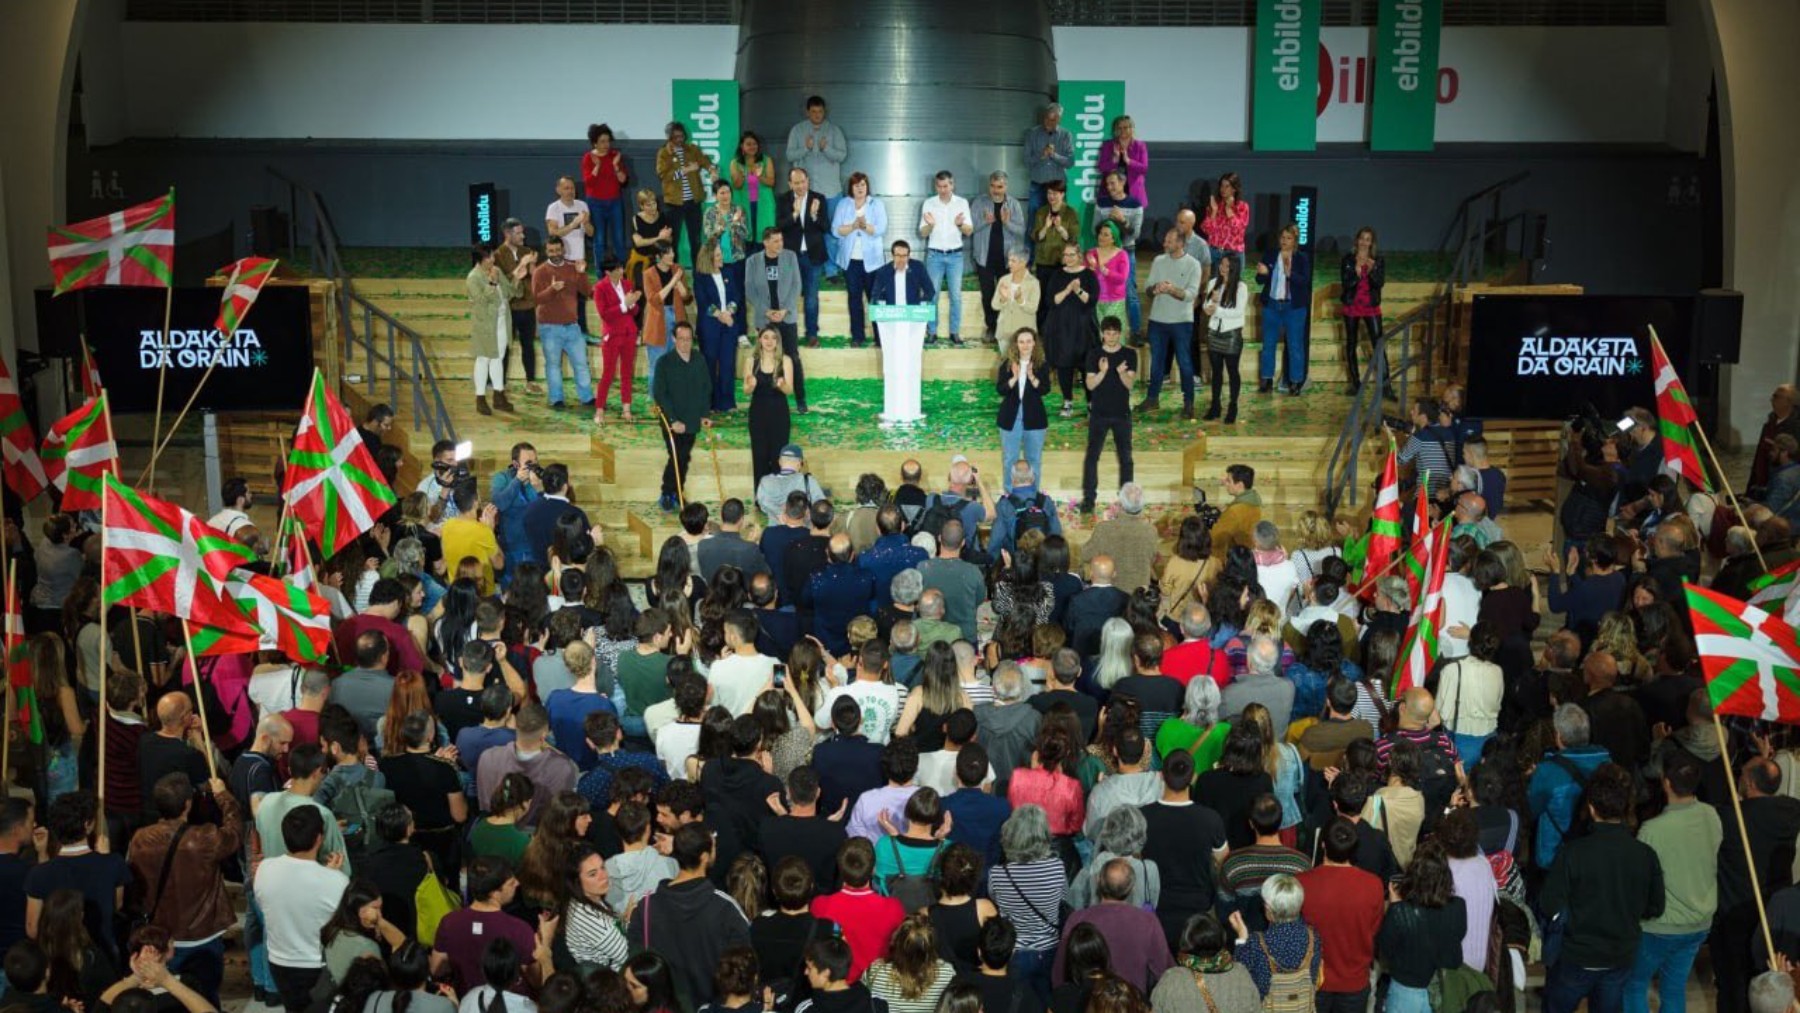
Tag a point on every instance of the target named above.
point(618, 301)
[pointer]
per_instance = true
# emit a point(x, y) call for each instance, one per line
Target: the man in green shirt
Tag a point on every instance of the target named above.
point(1686, 840)
point(643, 670)
point(306, 767)
point(682, 389)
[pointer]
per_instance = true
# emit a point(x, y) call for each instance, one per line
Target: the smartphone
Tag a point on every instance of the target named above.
point(464, 451)
point(1625, 424)
point(780, 674)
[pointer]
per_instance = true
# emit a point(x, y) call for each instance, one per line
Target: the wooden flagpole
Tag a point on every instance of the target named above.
point(1737, 806)
point(187, 636)
point(137, 639)
point(162, 374)
point(1724, 483)
point(106, 480)
point(162, 440)
point(12, 570)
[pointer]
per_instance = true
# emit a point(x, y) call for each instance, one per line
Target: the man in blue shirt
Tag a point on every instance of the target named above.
point(976, 815)
point(1024, 508)
point(542, 519)
point(1556, 785)
point(512, 492)
point(891, 553)
point(837, 594)
point(789, 527)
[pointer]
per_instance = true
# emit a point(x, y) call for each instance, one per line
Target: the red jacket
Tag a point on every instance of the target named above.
point(615, 317)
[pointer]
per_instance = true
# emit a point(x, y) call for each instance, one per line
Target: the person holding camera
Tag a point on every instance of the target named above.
point(513, 491)
point(185, 891)
point(440, 478)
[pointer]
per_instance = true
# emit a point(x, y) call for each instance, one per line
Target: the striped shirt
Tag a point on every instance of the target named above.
point(1030, 895)
point(883, 983)
point(1246, 868)
point(1429, 451)
point(594, 938)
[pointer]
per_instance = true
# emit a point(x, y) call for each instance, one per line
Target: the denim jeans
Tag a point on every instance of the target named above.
point(946, 273)
point(810, 275)
point(1667, 960)
point(832, 239)
point(1405, 999)
point(1469, 747)
point(1567, 985)
point(1180, 339)
point(1019, 440)
point(560, 340)
point(609, 229)
point(1279, 321)
point(204, 967)
point(1342, 1002)
point(1134, 302)
point(654, 354)
point(1033, 968)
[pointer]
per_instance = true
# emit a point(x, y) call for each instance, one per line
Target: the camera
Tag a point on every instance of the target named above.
point(1594, 431)
point(533, 467)
point(1396, 423)
point(450, 474)
point(1208, 514)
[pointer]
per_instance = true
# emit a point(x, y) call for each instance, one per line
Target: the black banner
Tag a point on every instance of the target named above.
point(265, 365)
point(1303, 211)
point(1547, 357)
point(484, 212)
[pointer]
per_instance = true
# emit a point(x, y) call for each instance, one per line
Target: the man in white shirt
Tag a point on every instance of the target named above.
point(236, 496)
point(740, 675)
point(568, 219)
point(945, 221)
point(298, 896)
point(873, 690)
point(677, 740)
point(937, 769)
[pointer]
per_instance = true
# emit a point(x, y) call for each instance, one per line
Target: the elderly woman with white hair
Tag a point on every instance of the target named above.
point(1121, 834)
point(1198, 731)
point(1288, 943)
point(1114, 660)
point(1028, 889)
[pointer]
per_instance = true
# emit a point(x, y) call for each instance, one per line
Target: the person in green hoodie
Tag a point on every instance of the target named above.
point(682, 389)
point(1686, 840)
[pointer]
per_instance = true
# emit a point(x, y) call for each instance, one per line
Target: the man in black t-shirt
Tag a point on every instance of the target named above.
point(803, 831)
point(1186, 840)
point(173, 748)
point(18, 841)
point(1109, 374)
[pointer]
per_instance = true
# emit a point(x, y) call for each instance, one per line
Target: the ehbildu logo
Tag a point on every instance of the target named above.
point(1555, 356)
point(1405, 44)
point(704, 121)
point(1287, 45)
point(1090, 133)
point(199, 349)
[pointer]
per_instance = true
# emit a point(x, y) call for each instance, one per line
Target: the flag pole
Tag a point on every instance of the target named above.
point(306, 554)
point(162, 374)
point(187, 636)
point(1737, 806)
point(281, 523)
point(1724, 482)
point(106, 480)
point(161, 440)
point(12, 571)
point(137, 643)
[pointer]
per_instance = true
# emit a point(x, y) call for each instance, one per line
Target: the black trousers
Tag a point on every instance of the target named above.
point(1098, 427)
point(525, 330)
point(684, 449)
point(295, 985)
point(1222, 364)
point(1046, 277)
point(1342, 1002)
point(1733, 967)
point(685, 218)
point(1065, 378)
point(790, 345)
point(988, 278)
point(1353, 327)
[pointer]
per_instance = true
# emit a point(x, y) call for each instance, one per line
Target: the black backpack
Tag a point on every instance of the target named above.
point(915, 893)
point(1437, 779)
point(938, 512)
point(1030, 515)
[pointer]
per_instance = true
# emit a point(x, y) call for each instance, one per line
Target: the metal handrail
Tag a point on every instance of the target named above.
point(358, 318)
point(1421, 336)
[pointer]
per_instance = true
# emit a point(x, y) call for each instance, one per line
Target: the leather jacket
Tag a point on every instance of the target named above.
point(194, 905)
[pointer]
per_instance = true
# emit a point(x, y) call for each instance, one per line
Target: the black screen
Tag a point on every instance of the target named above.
point(1546, 357)
point(265, 366)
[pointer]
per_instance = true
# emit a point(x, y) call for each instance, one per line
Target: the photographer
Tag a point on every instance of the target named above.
point(772, 491)
point(547, 513)
point(1592, 463)
point(1431, 446)
point(439, 481)
point(512, 492)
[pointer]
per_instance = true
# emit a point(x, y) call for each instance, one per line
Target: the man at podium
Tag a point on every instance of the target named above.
point(902, 303)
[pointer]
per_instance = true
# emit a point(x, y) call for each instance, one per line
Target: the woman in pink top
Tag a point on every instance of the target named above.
point(1227, 219)
point(1361, 275)
point(1050, 782)
point(1111, 265)
point(1129, 155)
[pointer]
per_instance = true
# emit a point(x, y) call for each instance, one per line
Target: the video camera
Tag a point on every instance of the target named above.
point(1594, 431)
point(457, 471)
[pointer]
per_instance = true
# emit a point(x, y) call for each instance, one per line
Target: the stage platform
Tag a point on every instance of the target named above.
point(617, 467)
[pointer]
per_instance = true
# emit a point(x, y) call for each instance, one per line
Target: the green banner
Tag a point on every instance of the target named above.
point(1403, 110)
point(922, 313)
point(1089, 108)
point(1284, 113)
point(709, 110)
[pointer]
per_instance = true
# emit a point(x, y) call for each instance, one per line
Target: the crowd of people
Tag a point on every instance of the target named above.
point(871, 759)
point(1059, 275)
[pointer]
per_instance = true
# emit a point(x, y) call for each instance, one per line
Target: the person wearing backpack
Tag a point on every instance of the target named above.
point(906, 861)
point(352, 791)
point(1440, 766)
point(1286, 960)
point(1023, 508)
point(1556, 786)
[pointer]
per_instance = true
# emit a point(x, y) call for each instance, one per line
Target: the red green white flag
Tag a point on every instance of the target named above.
point(158, 556)
point(1751, 659)
point(1384, 524)
point(134, 247)
point(1776, 585)
point(19, 462)
point(294, 621)
point(78, 451)
point(90, 373)
point(1418, 559)
point(1674, 419)
point(18, 669)
point(244, 284)
point(333, 485)
point(1419, 651)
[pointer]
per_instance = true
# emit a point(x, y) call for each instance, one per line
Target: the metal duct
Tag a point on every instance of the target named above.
point(916, 85)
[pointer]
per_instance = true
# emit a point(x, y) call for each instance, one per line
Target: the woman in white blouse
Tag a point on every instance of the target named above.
point(1226, 299)
point(1469, 692)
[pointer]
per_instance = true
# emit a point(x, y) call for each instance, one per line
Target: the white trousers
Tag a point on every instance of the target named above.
point(491, 372)
point(902, 359)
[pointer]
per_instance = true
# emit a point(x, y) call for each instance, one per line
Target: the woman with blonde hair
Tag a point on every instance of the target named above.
point(912, 977)
point(1286, 770)
point(1617, 636)
point(938, 695)
point(1317, 539)
point(648, 229)
point(1021, 382)
point(768, 381)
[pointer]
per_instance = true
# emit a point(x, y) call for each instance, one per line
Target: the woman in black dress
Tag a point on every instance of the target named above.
point(648, 229)
point(1069, 325)
point(768, 379)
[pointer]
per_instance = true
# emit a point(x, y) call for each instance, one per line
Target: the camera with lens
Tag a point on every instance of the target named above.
point(1396, 424)
point(1208, 514)
point(1592, 430)
point(532, 467)
point(450, 474)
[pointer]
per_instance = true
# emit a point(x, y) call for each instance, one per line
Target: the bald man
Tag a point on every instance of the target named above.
point(1093, 606)
point(1615, 720)
point(1472, 519)
point(1440, 767)
point(173, 748)
point(931, 625)
point(837, 594)
point(1783, 418)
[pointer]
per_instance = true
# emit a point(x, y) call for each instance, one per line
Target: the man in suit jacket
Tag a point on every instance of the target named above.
point(1286, 299)
point(542, 516)
point(837, 594)
point(1091, 608)
point(901, 282)
point(772, 284)
point(803, 219)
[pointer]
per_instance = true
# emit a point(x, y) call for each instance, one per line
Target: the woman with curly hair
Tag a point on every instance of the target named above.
point(544, 867)
point(1422, 931)
point(912, 977)
point(1048, 782)
point(1321, 661)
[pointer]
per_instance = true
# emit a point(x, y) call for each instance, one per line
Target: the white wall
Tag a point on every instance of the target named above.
point(411, 82)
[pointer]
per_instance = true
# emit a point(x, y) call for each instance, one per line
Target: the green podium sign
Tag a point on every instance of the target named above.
point(919, 314)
